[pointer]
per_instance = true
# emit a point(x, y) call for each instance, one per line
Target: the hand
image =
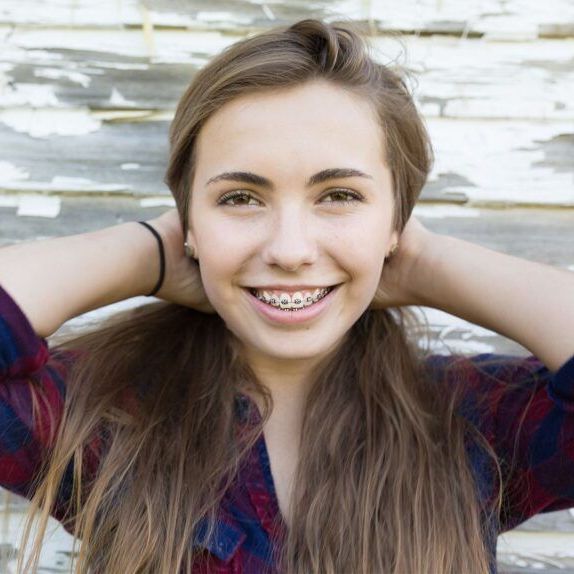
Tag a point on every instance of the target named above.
point(398, 277)
point(182, 282)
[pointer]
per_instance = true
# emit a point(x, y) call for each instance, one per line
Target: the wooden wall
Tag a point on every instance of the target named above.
point(87, 91)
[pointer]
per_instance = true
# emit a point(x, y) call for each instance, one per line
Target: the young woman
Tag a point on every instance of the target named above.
point(271, 414)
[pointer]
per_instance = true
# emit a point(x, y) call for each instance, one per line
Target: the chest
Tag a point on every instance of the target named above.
point(283, 463)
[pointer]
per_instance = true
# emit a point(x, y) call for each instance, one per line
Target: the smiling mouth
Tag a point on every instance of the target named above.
point(294, 301)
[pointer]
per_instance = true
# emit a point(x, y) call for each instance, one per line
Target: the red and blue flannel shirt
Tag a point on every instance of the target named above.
point(249, 521)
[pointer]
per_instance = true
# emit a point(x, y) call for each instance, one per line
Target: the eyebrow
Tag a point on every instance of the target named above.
point(254, 179)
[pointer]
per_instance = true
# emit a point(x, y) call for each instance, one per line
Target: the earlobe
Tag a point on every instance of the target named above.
point(188, 246)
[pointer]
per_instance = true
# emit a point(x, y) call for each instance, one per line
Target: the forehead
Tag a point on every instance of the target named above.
point(317, 120)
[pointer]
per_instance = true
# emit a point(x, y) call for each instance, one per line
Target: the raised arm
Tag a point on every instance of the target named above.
point(528, 302)
point(56, 279)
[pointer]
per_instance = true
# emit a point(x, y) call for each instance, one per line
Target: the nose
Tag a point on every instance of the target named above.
point(290, 241)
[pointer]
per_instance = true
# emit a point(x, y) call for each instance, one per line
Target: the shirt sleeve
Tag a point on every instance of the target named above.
point(526, 413)
point(32, 393)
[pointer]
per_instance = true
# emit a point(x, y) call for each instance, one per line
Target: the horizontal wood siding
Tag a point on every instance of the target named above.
point(88, 89)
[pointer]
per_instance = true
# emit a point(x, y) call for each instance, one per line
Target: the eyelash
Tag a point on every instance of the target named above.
point(235, 194)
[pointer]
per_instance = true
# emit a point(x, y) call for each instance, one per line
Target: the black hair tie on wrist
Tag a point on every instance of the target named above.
point(161, 258)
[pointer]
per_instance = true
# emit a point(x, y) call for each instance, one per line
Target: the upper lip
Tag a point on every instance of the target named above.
point(289, 287)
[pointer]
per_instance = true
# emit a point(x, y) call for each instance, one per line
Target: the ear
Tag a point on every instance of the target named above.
point(394, 239)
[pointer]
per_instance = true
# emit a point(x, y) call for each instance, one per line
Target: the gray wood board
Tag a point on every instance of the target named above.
point(510, 19)
point(485, 163)
point(125, 69)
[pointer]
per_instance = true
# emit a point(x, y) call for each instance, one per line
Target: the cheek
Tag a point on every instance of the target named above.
point(361, 246)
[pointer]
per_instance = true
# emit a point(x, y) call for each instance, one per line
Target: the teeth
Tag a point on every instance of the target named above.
point(270, 298)
point(286, 302)
point(307, 298)
point(297, 300)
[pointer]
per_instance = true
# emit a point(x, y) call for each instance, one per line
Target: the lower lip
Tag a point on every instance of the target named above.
point(292, 317)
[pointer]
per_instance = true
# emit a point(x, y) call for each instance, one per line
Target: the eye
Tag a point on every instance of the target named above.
point(344, 193)
point(233, 195)
point(242, 198)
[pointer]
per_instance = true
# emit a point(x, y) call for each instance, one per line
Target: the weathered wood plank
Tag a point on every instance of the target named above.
point(505, 162)
point(117, 69)
point(509, 19)
point(529, 552)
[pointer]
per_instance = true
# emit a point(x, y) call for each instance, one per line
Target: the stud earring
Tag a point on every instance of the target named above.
point(393, 249)
point(189, 251)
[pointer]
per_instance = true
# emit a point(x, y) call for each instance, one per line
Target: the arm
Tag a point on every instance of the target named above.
point(526, 413)
point(60, 278)
point(32, 396)
point(531, 303)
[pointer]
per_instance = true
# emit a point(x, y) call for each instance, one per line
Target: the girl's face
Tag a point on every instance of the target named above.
point(313, 209)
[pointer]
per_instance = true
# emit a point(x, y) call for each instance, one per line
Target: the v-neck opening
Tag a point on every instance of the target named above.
point(274, 520)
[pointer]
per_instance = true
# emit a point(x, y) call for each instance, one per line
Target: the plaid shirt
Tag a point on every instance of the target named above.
point(249, 522)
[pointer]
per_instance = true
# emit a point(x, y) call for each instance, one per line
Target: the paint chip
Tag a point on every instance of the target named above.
point(157, 201)
point(10, 172)
point(38, 206)
point(43, 123)
point(117, 99)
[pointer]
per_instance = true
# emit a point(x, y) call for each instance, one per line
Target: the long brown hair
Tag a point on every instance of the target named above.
point(384, 483)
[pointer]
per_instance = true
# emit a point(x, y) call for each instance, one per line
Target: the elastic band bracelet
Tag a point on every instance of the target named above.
point(161, 258)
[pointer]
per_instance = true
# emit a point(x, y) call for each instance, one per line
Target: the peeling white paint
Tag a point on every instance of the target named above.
point(43, 123)
point(34, 95)
point(11, 172)
point(38, 206)
point(443, 324)
point(505, 80)
point(44, 55)
point(71, 12)
point(64, 184)
point(440, 211)
point(449, 322)
point(9, 200)
point(536, 544)
point(499, 160)
point(508, 20)
point(117, 99)
point(539, 72)
point(118, 65)
point(57, 73)
point(157, 201)
point(170, 45)
point(53, 548)
point(228, 18)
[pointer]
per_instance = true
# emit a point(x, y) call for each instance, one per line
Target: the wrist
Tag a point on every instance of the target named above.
point(146, 259)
